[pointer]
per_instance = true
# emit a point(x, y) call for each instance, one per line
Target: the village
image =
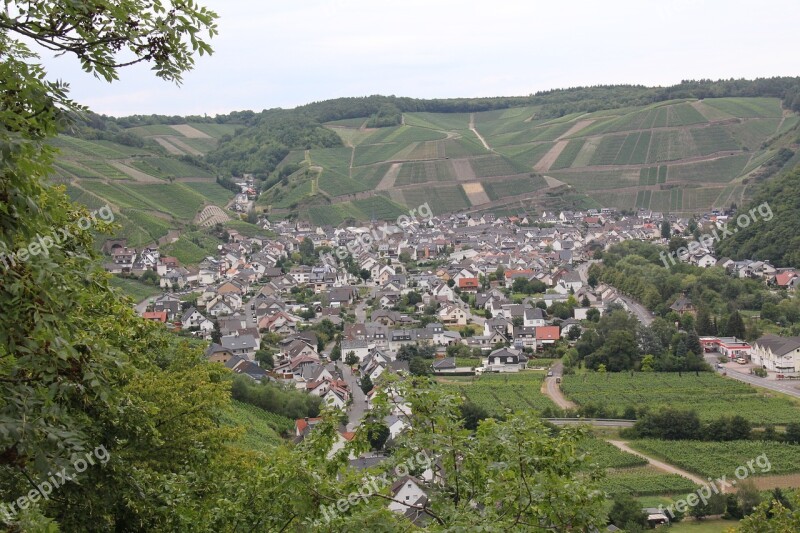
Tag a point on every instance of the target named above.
point(473, 295)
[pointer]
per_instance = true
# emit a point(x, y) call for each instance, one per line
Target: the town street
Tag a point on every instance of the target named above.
point(741, 373)
point(358, 406)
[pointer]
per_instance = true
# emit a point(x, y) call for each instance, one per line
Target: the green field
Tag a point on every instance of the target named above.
point(425, 171)
point(134, 288)
point(514, 186)
point(712, 396)
point(212, 191)
point(645, 481)
point(376, 207)
point(167, 167)
point(192, 247)
point(714, 459)
point(717, 170)
point(440, 198)
point(498, 393)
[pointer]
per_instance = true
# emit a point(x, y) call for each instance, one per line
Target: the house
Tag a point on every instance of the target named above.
point(778, 354)
point(169, 303)
point(506, 360)
point(451, 314)
point(358, 347)
point(524, 337)
point(192, 318)
point(448, 364)
point(407, 493)
point(242, 345)
point(706, 261)
point(240, 365)
point(567, 325)
point(396, 425)
point(155, 316)
point(217, 354)
point(533, 317)
point(468, 284)
point(336, 396)
point(374, 364)
point(547, 335)
point(683, 305)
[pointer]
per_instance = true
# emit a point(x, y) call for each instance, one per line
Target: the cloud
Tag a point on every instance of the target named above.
point(281, 55)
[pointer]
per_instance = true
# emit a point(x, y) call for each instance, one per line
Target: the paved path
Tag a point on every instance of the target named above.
point(358, 407)
point(664, 467)
point(553, 390)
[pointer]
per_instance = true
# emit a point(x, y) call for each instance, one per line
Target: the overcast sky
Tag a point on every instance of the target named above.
point(283, 54)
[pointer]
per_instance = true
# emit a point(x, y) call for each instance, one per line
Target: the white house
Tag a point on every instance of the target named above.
point(777, 354)
point(506, 360)
point(406, 492)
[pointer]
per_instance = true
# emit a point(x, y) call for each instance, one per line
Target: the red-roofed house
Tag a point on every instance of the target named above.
point(785, 278)
point(547, 335)
point(468, 284)
point(303, 424)
point(511, 275)
point(156, 316)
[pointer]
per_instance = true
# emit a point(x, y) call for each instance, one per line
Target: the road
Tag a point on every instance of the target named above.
point(739, 373)
point(358, 406)
point(638, 310)
point(664, 467)
point(553, 390)
point(361, 307)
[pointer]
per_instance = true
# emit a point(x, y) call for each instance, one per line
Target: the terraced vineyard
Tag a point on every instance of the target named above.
point(643, 156)
point(712, 396)
point(149, 191)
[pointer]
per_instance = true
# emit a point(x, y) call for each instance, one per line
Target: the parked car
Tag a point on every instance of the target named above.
point(741, 360)
point(550, 374)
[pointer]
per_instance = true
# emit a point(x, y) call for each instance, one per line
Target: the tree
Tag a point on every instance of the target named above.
point(792, 434)
point(748, 496)
point(666, 229)
point(734, 327)
point(366, 383)
point(413, 298)
point(364, 274)
point(472, 414)
point(378, 434)
point(626, 513)
point(713, 505)
point(774, 515)
point(351, 358)
point(585, 301)
point(419, 366)
point(336, 352)
point(669, 424)
point(703, 325)
point(265, 358)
